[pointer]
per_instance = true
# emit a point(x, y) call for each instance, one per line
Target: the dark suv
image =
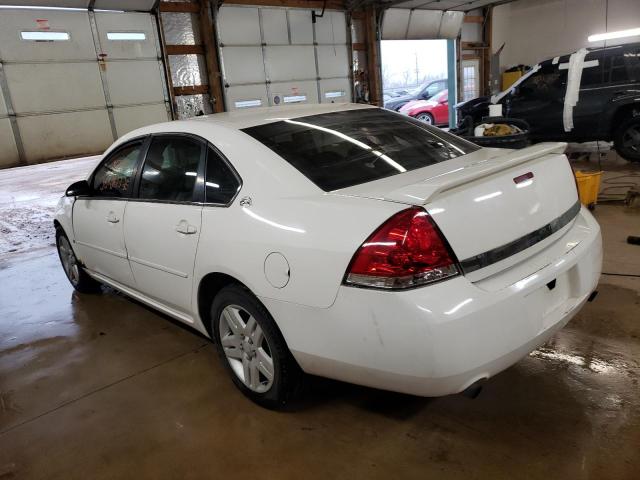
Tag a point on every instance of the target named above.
point(423, 92)
point(608, 101)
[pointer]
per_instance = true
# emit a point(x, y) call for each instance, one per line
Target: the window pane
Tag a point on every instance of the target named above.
point(39, 36)
point(221, 184)
point(114, 177)
point(170, 169)
point(341, 149)
point(126, 36)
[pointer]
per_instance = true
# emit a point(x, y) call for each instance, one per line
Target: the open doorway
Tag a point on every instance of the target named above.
point(414, 75)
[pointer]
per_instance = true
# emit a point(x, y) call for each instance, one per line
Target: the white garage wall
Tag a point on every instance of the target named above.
point(272, 55)
point(535, 30)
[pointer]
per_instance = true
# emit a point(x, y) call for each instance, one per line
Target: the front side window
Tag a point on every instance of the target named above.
point(341, 149)
point(170, 169)
point(221, 185)
point(115, 176)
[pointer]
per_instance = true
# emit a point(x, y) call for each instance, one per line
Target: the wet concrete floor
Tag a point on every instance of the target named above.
point(99, 386)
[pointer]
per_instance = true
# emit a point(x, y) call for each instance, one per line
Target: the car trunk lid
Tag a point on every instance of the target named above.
point(490, 204)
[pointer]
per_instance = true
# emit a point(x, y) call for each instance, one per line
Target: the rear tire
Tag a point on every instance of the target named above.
point(425, 117)
point(252, 348)
point(626, 139)
point(79, 279)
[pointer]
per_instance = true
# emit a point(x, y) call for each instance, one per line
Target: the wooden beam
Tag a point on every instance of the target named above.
point(185, 50)
point(472, 46)
point(373, 70)
point(487, 34)
point(191, 90)
point(179, 7)
point(208, 33)
point(473, 19)
point(165, 64)
point(315, 4)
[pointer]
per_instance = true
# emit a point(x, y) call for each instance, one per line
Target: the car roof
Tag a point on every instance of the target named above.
point(250, 117)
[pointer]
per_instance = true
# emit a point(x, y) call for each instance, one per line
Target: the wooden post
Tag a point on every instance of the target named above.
point(209, 40)
point(373, 67)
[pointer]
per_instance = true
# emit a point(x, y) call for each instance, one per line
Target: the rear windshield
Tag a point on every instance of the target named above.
point(342, 149)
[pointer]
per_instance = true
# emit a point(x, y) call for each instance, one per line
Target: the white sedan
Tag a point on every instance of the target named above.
point(344, 241)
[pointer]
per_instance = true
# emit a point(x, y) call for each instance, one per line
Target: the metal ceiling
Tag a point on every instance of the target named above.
point(128, 5)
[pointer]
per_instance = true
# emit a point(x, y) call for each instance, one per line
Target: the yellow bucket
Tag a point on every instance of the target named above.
point(588, 187)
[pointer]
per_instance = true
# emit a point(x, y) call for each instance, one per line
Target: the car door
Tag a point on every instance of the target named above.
point(441, 111)
point(595, 92)
point(98, 219)
point(540, 101)
point(162, 222)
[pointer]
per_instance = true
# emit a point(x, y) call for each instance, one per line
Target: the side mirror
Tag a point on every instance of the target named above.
point(78, 189)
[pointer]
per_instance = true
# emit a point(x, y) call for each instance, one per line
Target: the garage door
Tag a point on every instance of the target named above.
point(73, 81)
point(278, 56)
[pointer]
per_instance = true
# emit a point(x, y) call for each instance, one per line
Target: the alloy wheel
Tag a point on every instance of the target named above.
point(69, 261)
point(246, 348)
point(631, 138)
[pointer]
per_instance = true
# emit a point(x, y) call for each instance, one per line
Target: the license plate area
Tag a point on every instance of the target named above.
point(548, 298)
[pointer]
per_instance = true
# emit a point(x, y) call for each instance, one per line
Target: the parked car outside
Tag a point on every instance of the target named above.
point(434, 111)
point(344, 241)
point(607, 106)
point(423, 92)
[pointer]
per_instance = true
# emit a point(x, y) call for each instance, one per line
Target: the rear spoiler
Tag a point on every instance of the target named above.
point(432, 186)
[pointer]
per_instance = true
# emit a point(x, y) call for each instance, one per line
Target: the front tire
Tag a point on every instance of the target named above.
point(79, 279)
point(426, 118)
point(626, 139)
point(252, 348)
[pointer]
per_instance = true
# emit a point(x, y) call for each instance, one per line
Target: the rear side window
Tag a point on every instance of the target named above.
point(171, 169)
point(342, 149)
point(548, 83)
point(115, 176)
point(221, 184)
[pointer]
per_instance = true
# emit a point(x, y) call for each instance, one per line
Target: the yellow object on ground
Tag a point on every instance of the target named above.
point(588, 187)
point(509, 78)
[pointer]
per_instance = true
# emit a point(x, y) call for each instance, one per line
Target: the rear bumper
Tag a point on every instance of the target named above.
point(440, 339)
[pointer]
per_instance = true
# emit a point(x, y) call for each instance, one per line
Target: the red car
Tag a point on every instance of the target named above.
point(434, 111)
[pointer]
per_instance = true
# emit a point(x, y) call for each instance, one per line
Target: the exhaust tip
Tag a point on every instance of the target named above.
point(473, 390)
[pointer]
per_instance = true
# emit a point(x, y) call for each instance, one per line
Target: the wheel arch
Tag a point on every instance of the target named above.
point(210, 285)
point(621, 113)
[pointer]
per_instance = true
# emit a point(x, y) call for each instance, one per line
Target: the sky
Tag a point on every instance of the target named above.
point(399, 61)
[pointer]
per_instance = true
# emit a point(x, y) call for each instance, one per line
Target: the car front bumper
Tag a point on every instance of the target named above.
point(442, 338)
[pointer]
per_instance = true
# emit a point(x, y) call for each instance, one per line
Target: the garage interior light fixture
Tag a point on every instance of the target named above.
point(632, 32)
point(135, 36)
point(45, 36)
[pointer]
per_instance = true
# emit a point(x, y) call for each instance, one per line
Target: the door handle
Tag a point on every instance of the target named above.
point(111, 218)
point(185, 228)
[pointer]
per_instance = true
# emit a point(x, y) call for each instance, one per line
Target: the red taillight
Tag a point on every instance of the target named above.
point(406, 251)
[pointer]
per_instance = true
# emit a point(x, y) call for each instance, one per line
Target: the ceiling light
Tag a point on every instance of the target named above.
point(611, 35)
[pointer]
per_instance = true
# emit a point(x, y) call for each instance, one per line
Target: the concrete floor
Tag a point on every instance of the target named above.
point(99, 386)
